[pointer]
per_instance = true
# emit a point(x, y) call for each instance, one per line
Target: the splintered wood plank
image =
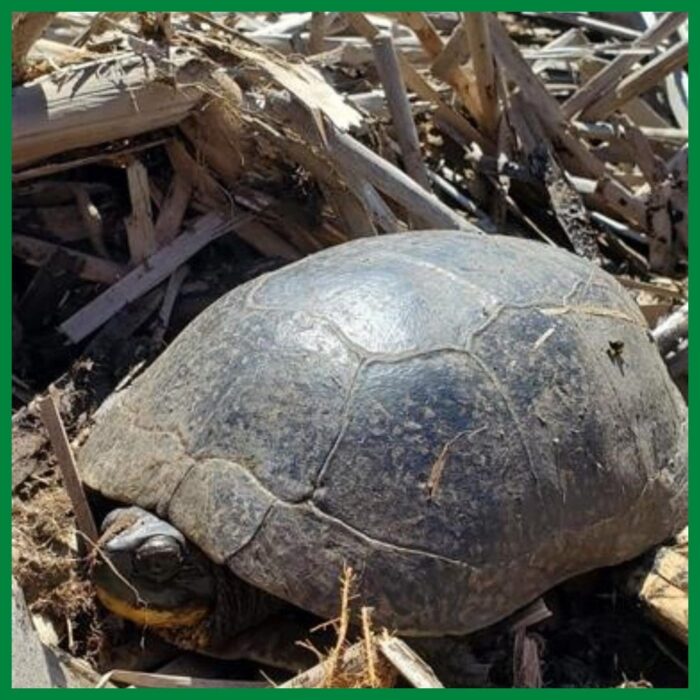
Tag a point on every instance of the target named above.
point(139, 224)
point(205, 189)
point(98, 102)
point(302, 80)
point(215, 131)
point(678, 168)
point(637, 109)
point(603, 131)
point(172, 289)
point(146, 276)
point(661, 584)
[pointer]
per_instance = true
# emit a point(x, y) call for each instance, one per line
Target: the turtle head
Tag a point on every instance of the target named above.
point(149, 573)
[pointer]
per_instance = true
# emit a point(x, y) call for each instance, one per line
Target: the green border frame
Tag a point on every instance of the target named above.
point(267, 5)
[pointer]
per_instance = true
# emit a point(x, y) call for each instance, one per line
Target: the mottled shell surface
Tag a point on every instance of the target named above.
point(467, 420)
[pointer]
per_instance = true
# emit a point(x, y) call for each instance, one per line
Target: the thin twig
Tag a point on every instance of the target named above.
point(66, 462)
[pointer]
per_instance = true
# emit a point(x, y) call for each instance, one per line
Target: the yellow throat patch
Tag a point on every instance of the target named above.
point(153, 617)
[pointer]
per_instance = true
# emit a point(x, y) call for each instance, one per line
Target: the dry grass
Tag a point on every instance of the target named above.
point(45, 564)
point(349, 664)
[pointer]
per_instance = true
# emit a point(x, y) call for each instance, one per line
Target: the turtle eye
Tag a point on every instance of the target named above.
point(158, 558)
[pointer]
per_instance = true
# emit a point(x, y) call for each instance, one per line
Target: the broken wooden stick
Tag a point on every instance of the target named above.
point(172, 289)
point(209, 195)
point(147, 275)
point(454, 52)
point(216, 132)
point(99, 23)
point(414, 669)
point(576, 157)
point(605, 79)
point(424, 207)
point(661, 584)
point(454, 75)
point(444, 114)
point(662, 252)
point(300, 79)
point(172, 212)
point(139, 224)
point(479, 41)
point(527, 668)
point(605, 130)
point(527, 665)
point(110, 156)
point(141, 679)
point(353, 662)
point(380, 212)
point(89, 267)
point(644, 78)
point(676, 84)
point(57, 54)
point(583, 19)
point(66, 463)
point(404, 127)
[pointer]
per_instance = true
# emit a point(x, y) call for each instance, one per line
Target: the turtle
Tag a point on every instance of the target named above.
point(466, 420)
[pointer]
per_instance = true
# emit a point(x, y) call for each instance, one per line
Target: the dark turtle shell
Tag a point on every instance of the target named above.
point(467, 420)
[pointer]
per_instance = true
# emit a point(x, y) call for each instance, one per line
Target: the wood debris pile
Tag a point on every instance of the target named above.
point(160, 159)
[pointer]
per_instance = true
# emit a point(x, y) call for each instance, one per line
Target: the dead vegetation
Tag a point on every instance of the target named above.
point(161, 159)
point(346, 665)
point(46, 564)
